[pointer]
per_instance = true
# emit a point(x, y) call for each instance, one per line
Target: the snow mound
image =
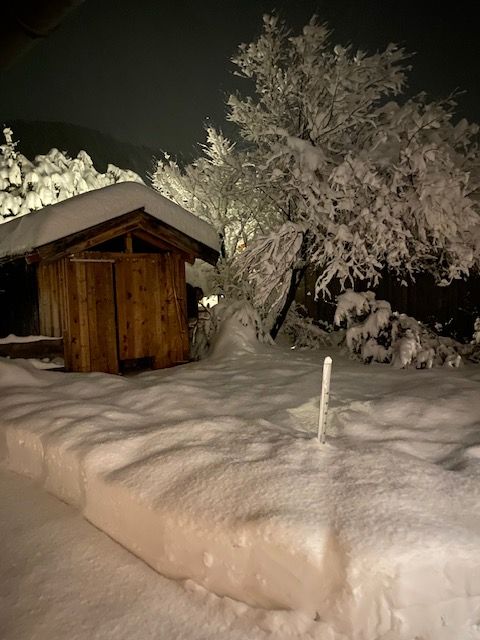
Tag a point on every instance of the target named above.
point(236, 329)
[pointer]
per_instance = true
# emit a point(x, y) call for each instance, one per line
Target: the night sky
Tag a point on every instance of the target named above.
point(152, 72)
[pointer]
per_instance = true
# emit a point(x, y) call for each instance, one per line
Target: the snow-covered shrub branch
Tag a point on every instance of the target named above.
point(27, 185)
point(303, 332)
point(475, 355)
point(476, 332)
point(267, 263)
point(376, 334)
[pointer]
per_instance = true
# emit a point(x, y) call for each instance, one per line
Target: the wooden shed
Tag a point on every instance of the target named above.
point(106, 271)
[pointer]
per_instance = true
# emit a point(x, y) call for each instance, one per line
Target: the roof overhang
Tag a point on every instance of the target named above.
point(138, 223)
point(95, 216)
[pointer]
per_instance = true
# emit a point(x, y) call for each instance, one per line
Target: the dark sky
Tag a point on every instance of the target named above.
point(152, 72)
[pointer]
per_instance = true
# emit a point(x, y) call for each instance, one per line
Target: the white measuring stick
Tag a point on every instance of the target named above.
point(324, 398)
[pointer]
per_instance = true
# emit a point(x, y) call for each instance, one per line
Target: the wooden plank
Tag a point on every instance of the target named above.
point(170, 313)
point(149, 320)
point(177, 325)
point(43, 294)
point(37, 349)
point(73, 345)
point(178, 240)
point(67, 350)
point(162, 245)
point(142, 319)
point(82, 240)
point(137, 288)
point(135, 221)
point(182, 297)
point(50, 288)
point(101, 314)
point(54, 300)
point(161, 321)
point(62, 293)
point(121, 296)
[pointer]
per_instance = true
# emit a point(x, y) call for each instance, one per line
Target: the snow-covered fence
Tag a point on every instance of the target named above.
point(376, 334)
point(455, 307)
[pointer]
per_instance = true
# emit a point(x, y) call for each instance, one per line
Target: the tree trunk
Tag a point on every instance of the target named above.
point(297, 275)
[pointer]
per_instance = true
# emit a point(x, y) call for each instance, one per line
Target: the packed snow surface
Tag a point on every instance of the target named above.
point(80, 212)
point(211, 472)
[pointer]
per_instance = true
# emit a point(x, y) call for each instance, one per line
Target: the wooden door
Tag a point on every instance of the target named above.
point(151, 308)
point(90, 338)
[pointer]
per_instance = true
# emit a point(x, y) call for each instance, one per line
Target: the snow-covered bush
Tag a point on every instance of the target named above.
point(230, 327)
point(475, 343)
point(376, 334)
point(302, 331)
point(476, 332)
point(29, 185)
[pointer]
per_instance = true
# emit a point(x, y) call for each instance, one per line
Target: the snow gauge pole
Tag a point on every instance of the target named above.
point(324, 398)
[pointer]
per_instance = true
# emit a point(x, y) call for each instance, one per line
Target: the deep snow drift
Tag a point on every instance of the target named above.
point(212, 472)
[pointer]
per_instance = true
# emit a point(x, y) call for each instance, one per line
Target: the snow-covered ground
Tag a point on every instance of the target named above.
point(211, 472)
point(61, 578)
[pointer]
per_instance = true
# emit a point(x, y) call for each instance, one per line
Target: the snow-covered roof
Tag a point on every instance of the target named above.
point(81, 212)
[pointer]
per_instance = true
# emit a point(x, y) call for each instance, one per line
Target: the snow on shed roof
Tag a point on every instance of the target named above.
point(81, 212)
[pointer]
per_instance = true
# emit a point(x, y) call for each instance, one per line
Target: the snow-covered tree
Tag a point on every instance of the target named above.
point(223, 188)
point(366, 182)
point(340, 170)
point(29, 185)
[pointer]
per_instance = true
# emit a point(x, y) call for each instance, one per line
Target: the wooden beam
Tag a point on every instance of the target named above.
point(163, 246)
point(158, 234)
point(83, 240)
point(178, 239)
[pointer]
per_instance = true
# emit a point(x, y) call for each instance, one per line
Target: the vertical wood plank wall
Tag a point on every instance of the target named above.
point(114, 307)
point(90, 335)
point(51, 298)
point(151, 308)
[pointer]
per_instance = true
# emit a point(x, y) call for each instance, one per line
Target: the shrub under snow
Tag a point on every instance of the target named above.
point(475, 343)
point(228, 328)
point(303, 332)
point(476, 332)
point(376, 334)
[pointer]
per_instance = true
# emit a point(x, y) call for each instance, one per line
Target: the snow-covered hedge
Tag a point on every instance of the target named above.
point(29, 185)
point(376, 334)
point(303, 332)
